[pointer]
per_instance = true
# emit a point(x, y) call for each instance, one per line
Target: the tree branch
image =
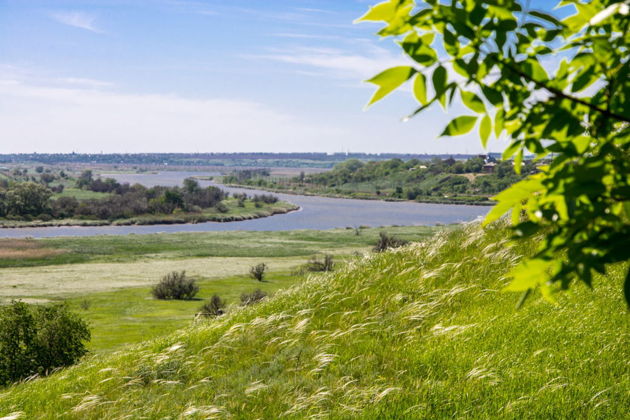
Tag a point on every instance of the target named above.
point(563, 95)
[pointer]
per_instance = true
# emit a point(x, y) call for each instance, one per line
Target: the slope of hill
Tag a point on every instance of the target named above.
point(421, 332)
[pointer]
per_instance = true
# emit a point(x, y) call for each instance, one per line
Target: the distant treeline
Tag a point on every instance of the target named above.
point(467, 181)
point(207, 159)
point(30, 200)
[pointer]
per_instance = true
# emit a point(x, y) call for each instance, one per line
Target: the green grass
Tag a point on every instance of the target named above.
point(423, 332)
point(207, 244)
point(131, 315)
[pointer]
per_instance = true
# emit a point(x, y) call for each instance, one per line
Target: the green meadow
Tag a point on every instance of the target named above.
point(424, 331)
point(108, 279)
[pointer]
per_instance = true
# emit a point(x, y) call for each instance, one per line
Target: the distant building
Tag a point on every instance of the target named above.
point(488, 167)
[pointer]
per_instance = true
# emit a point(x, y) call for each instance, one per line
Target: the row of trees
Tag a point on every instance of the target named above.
point(27, 200)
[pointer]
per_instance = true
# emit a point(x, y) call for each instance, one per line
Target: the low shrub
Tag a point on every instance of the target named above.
point(257, 272)
point(221, 207)
point(175, 285)
point(316, 265)
point(253, 297)
point(37, 339)
point(213, 307)
point(386, 241)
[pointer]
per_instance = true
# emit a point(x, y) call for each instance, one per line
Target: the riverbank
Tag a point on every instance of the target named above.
point(234, 214)
point(359, 196)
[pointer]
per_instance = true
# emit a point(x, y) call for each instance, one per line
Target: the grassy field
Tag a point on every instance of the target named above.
point(422, 332)
point(117, 249)
point(107, 278)
point(121, 317)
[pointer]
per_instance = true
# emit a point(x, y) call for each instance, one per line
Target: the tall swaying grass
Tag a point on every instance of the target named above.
point(423, 331)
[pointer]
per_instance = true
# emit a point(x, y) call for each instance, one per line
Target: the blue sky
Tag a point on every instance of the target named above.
point(203, 76)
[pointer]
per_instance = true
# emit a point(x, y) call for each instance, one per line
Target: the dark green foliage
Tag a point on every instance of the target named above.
point(253, 297)
point(175, 285)
point(213, 307)
point(386, 242)
point(36, 339)
point(26, 199)
point(221, 207)
point(257, 272)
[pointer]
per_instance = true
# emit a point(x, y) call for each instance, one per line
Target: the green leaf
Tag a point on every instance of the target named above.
point(473, 102)
point(420, 88)
point(534, 70)
point(460, 125)
point(419, 48)
point(484, 130)
point(518, 162)
point(498, 122)
point(389, 80)
point(513, 196)
point(586, 78)
point(439, 80)
point(492, 95)
point(381, 12)
point(528, 275)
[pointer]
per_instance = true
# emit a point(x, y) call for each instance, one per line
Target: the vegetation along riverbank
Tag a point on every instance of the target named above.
point(45, 197)
point(445, 181)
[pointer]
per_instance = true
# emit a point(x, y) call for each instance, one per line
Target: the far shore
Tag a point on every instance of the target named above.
point(361, 197)
point(172, 219)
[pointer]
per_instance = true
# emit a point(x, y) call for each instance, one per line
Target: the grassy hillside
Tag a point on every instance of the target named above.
point(423, 332)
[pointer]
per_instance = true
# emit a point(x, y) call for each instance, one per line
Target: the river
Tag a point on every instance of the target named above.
point(315, 213)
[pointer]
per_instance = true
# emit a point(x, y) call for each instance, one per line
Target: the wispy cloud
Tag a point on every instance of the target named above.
point(86, 83)
point(312, 10)
point(337, 63)
point(305, 36)
point(76, 19)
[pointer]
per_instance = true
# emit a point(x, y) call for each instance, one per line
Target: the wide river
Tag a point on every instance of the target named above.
point(315, 213)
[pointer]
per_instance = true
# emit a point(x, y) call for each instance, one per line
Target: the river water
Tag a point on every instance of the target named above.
point(315, 213)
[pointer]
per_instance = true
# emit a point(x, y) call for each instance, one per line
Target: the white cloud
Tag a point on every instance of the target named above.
point(53, 119)
point(76, 19)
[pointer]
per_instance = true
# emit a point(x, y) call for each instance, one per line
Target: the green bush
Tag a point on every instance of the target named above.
point(257, 272)
point(386, 241)
point(175, 285)
point(253, 297)
point(316, 265)
point(214, 307)
point(36, 339)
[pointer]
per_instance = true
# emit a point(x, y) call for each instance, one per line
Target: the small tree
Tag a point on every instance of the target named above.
point(317, 265)
point(37, 339)
point(175, 285)
point(213, 307)
point(386, 242)
point(253, 297)
point(257, 272)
